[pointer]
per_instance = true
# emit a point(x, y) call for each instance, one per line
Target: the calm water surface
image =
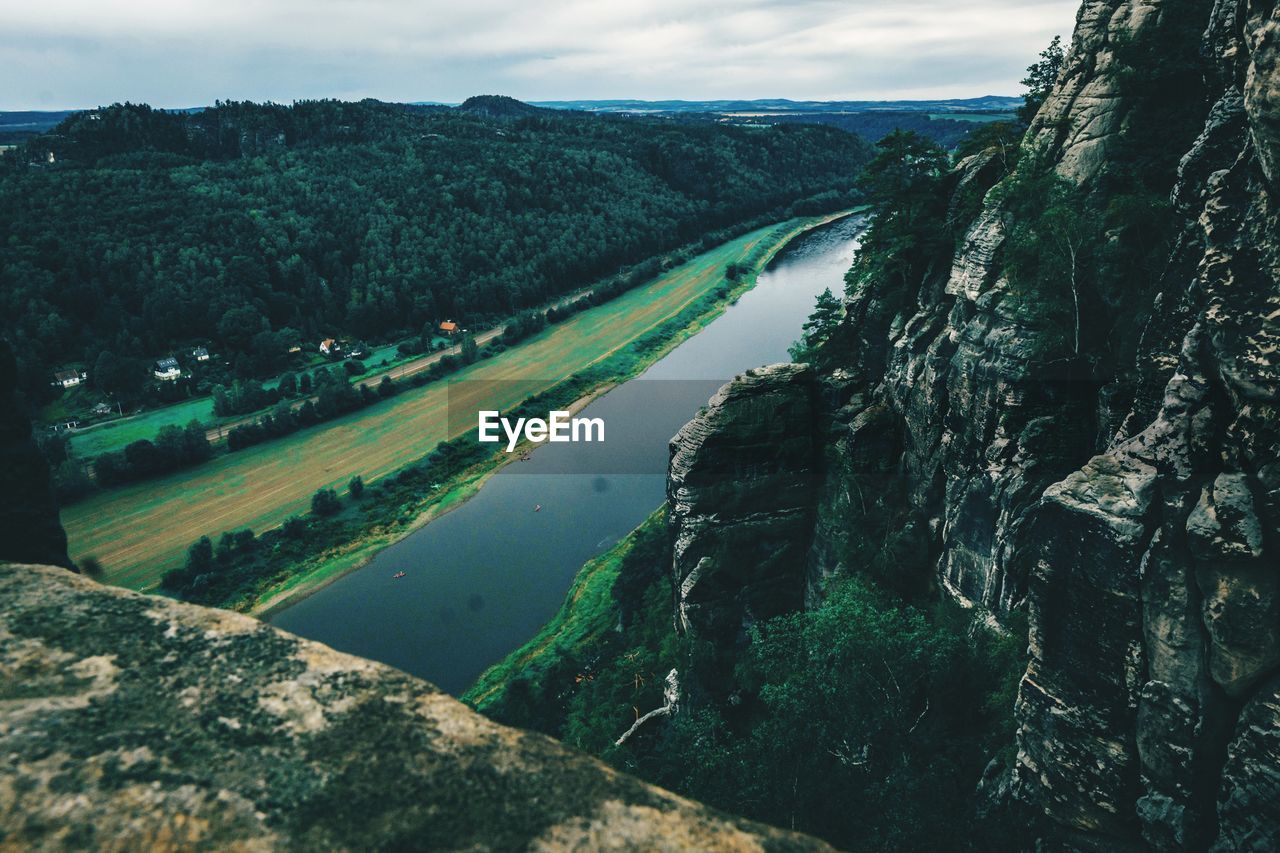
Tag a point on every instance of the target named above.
point(482, 579)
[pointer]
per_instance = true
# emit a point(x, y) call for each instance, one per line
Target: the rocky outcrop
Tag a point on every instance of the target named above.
point(1126, 492)
point(131, 722)
point(741, 495)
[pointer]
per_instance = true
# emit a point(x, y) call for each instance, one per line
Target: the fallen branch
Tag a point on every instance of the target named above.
point(670, 702)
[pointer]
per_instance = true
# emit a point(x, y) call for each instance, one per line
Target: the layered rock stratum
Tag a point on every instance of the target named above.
point(1131, 507)
point(132, 722)
point(740, 489)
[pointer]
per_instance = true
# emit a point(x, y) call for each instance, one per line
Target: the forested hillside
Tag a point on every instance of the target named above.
point(132, 231)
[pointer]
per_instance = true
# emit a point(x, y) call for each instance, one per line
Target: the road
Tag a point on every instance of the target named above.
point(400, 371)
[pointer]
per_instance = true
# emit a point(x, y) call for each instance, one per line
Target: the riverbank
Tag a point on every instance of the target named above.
point(405, 494)
point(669, 334)
point(140, 532)
point(589, 611)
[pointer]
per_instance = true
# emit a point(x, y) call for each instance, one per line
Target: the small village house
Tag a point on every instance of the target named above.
point(329, 346)
point(167, 369)
point(68, 378)
point(449, 328)
point(200, 354)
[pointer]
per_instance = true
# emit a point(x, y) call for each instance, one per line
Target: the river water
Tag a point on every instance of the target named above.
point(481, 580)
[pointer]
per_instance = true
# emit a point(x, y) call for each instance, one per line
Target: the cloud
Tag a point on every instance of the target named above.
point(73, 53)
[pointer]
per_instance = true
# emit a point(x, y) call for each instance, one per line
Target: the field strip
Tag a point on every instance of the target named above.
point(141, 531)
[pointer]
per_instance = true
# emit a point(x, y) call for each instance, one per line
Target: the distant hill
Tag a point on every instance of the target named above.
point(946, 121)
point(984, 104)
point(498, 106)
point(20, 125)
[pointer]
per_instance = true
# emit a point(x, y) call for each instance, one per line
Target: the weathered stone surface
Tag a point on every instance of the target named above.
point(741, 493)
point(1249, 803)
point(131, 722)
point(1132, 505)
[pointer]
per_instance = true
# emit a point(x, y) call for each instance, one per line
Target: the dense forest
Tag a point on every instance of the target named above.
point(874, 125)
point(132, 231)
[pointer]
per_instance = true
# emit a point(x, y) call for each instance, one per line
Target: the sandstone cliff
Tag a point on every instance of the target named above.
point(131, 722)
point(741, 495)
point(1127, 496)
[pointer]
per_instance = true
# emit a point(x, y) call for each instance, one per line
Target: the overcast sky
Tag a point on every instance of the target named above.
point(59, 54)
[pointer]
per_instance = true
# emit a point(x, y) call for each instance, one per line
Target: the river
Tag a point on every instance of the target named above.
point(481, 580)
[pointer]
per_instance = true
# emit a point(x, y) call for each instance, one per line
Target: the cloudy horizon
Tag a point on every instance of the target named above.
point(70, 54)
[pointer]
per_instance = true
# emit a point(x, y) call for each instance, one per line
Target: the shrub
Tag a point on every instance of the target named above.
point(325, 502)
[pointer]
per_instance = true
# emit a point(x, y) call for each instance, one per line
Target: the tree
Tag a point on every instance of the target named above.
point(826, 316)
point(116, 375)
point(325, 502)
point(910, 230)
point(470, 350)
point(1040, 79)
point(200, 557)
point(356, 486)
point(1055, 242)
point(288, 384)
point(863, 700)
point(904, 173)
point(294, 527)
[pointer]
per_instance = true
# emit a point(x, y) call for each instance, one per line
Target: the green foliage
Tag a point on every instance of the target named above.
point(903, 186)
point(172, 449)
point(242, 223)
point(1041, 75)
point(356, 486)
point(325, 502)
point(1052, 255)
point(866, 721)
point(470, 351)
point(826, 316)
point(243, 397)
point(910, 234)
point(1002, 137)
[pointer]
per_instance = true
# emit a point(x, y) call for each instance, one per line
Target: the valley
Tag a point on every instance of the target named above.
point(139, 532)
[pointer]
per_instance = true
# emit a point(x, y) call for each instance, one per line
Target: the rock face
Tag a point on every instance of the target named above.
point(1127, 497)
point(741, 496)
point(131, 722)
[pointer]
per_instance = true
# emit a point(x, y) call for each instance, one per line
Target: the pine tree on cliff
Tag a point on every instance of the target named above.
point(30, 531)
point(1040, 78)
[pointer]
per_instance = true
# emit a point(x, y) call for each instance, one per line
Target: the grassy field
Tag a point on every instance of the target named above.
point(139, 532)
point(114, 435)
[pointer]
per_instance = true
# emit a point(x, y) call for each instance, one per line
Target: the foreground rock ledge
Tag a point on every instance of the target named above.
point(136, 722)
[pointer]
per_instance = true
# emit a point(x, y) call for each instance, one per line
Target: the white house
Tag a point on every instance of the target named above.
point(200, 354)
point(68, 378)
point(167, 369)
